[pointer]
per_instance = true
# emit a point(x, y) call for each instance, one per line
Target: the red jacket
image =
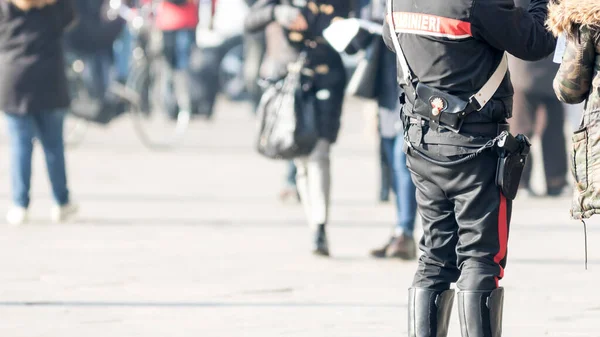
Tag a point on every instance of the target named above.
point(170, 16)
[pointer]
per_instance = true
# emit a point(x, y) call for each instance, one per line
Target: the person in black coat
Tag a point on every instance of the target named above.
point(292, 26)
point(34, 96)
point(536, 108)
point(92, 40)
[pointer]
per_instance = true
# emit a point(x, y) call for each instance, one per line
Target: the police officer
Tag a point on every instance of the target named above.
point(457, 97)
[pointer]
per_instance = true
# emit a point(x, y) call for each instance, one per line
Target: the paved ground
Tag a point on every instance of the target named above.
point(195, 243)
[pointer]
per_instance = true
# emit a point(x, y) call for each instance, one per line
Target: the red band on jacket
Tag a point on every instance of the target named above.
point(502, 235)
point(431, 25)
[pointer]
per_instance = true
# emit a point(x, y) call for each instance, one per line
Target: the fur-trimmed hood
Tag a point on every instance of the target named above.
point(567, 16)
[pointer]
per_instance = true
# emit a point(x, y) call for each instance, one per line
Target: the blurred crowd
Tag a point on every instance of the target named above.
point(233, 43)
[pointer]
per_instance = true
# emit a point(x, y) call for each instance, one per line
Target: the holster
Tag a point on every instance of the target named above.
point(513, 152)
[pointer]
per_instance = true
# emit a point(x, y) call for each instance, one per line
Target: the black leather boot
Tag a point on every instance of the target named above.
point(481, 313)
point(321, 245)
point(429, 312)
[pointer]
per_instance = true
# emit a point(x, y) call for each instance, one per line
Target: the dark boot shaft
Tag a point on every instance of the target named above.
point(429, 312)
point(480, 313)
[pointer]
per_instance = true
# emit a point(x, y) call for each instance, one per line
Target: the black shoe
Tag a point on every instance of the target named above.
point(480, 313)
point(429, 312)
point(381, 252)
point(321, 246)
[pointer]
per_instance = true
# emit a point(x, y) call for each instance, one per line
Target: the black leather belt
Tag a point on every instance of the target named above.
point(479, 129)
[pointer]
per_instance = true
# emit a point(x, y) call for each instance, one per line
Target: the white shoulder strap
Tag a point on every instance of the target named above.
point(400, 55)
point(480, 98)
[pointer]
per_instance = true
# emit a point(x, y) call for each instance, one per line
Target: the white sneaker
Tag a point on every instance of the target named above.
point(63, 213)
point(16, 216)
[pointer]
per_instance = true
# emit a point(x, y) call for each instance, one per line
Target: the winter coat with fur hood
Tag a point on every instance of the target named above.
point(578, 80)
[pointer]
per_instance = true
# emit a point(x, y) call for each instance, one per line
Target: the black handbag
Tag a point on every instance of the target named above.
point(363, 83)
point(288, 116)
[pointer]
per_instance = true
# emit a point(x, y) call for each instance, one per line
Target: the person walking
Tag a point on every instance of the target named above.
point(178, 19)
point(92, 39)
point(401, 243)
point(536, 110)
point(456, 97)
point(34, 97)
point(291, 26)
point(578, 80)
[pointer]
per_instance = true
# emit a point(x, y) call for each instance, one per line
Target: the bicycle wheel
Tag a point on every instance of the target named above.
point(155, 126)
point(74, 132)
point(75, 128)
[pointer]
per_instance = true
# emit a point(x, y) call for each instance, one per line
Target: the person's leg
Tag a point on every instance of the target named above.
point(49, 126)
point(290, 189)
point(92, 76)
point(483, 216)
point(184, 40)
point(430, 298)
point(21, 133)
point(385, 165)
point(554, 146)
point(319, 180)
point(302, 185)
point(403, 245)
point(292, 171)
point(313, 182)
point(522, 122)
point(254, 50)
point(169, 99)
point(387, 157)
point(122, 51)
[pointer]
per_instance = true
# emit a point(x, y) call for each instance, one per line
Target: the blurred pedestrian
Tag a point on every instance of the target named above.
point(578, 80)
point(536, 110)
point(401, 243)
point(92, 40)
point(254, 52)
point(34, 97)
point(292, 26)
point(178, 19)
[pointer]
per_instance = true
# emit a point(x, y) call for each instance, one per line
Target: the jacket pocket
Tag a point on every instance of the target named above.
point(579, 159)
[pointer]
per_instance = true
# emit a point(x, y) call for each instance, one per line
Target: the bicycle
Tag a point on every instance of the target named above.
point(156, 128)
point(140, 96)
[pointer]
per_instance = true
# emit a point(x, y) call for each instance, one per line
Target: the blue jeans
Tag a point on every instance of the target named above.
point(402, 185)
point(47, 126)
point(122, 50)
point(177, 47)
point(291, 174)
point(97, 73)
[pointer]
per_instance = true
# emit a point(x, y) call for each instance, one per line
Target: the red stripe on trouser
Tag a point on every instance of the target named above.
point(502, 235)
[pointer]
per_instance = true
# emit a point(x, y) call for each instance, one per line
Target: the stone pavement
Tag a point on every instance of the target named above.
point(195, 243)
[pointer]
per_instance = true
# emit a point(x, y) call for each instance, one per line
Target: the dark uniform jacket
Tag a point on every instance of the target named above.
point(578, 80)
point(455, 45)
point(32, 70)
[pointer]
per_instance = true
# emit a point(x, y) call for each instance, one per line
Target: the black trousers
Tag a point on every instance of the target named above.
point(465, 222)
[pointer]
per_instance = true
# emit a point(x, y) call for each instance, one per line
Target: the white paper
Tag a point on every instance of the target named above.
point(561, 46)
